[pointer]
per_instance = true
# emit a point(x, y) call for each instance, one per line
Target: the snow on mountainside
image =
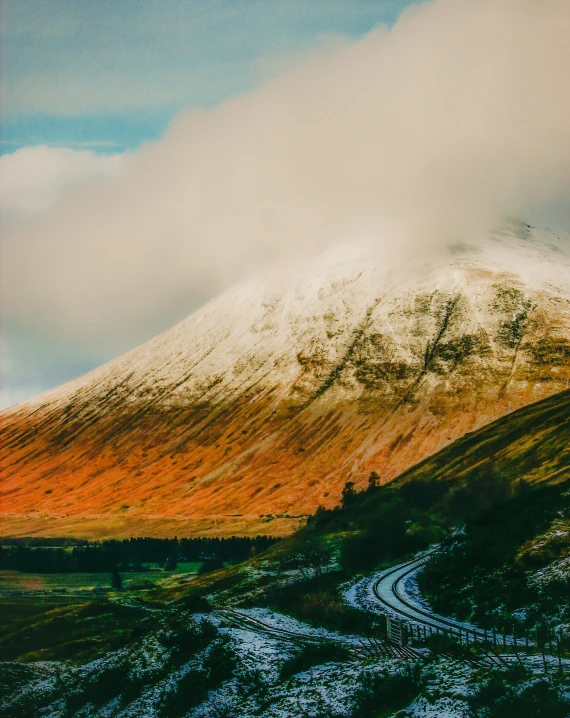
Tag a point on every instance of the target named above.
point(258, 407)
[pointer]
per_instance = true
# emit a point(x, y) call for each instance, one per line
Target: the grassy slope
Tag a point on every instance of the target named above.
point(532, 443)
point(44, 628)
point(529, 449)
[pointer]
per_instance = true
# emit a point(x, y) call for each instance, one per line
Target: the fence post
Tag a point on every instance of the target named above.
point(549, 634)
point(383, 626)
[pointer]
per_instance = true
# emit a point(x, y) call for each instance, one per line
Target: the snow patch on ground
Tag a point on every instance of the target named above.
point(558, 570)
point(282, 622)
point(410, 590)
point(445, 693)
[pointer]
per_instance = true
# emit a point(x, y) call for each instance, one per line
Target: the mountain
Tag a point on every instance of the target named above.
point(259, 407)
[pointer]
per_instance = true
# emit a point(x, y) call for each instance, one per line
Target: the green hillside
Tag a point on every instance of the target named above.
point(525, 452)
point(531, 444)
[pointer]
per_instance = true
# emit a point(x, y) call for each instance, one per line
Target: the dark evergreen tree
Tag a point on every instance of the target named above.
point(116, 580)
point(348, 494)
point(373, 481)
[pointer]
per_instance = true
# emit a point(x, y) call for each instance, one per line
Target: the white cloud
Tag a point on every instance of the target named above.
point(456, 116)
point(32, 178)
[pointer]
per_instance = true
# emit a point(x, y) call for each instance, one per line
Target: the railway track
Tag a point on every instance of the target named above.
point(388, 590)
point(363, 647)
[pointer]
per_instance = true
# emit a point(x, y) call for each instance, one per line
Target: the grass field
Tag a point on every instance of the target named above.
point(18, 583)
point(35, 627)
point(76, 616)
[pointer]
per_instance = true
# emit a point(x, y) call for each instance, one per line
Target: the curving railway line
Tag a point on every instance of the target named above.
point(365, 647)
point(388, 589)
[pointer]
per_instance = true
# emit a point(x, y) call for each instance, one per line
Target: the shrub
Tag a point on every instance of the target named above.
point(211, 564)
point(440, 643)
point(314, 654)
point(384, 693)
point(220, 662)
point(317, 601)
point(98, 689)
point(254, 681)
point(504, 696)
point(384, 538)
point(185, 639)
point(190, 690)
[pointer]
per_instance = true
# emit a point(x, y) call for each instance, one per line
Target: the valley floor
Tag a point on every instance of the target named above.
point(256, 662)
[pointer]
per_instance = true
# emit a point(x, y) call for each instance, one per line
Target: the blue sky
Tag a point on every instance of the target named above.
point(110, 75)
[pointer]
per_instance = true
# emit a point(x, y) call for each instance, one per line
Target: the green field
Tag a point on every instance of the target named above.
point(17, 583)
point(35, 627)
point(76, 616)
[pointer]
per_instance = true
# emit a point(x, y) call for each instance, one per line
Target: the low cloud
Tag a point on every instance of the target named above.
point(458, 115)
point(33, 178)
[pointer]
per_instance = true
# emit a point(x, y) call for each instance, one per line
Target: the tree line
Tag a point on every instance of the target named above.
point(134, 554)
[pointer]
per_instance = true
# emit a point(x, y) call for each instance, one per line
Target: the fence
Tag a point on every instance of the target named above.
point(543, 641)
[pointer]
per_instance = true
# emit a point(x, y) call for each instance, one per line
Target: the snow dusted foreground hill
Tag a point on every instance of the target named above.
point(261, 405)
